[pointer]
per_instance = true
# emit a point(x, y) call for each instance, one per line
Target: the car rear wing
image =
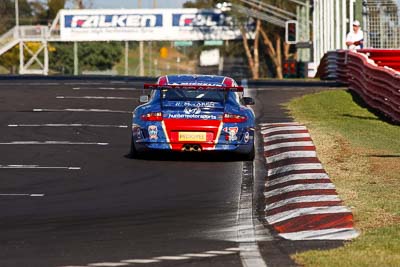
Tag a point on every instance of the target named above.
point(193, 87)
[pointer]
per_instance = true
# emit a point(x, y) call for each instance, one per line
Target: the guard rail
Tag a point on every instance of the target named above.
point(377, 83)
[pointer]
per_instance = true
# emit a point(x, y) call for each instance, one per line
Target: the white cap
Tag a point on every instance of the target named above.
point(356, 23)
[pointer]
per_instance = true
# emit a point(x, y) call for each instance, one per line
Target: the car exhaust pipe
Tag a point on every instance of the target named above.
point(186, 148)
point(191, 148)
point(196, 148)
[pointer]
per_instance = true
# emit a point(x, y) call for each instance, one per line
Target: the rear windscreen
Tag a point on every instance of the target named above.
point(193, 95)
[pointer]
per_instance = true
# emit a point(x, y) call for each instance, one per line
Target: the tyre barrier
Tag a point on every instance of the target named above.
point(374, 74)
point(301, 201)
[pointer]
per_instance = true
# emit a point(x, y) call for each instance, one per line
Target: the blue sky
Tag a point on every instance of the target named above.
point(134, 3)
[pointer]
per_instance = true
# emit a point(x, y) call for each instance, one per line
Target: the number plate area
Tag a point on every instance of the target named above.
point(192, 136)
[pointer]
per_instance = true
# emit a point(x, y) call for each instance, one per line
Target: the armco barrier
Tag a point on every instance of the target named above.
point(377, 85)
point(384, 57)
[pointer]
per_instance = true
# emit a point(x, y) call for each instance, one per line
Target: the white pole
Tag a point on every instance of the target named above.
point(337, 23)
point(46, 59)
point(351, 13)
point(321, 29)
point(315, 30)
point(21, 58)
point(332, 25)
point(325, 18)
point(16, 14)
point(328, 24)
point(344, 22)
point(141, 61)
point(76, 59)
point(126, 58)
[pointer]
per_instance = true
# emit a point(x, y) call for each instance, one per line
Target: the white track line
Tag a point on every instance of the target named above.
point(68, 125)
point(299, 187)
point(283, 128)
point(108, 264)
point(172, 258)
point(295, 167)
point(291, 155)
point(22, 195)
point(220, 252)
point(104, 88)
point(326, 234)
point(286, 136)
point(140, 261)
point(199, 255)
point(97, 97)
point(294, 177)
point(36, 167)
point(302, 199)
point(51, 143)
point(82, 83)
point(249, 251)
point(80, 110)
point(288, 144)
point(286, 215)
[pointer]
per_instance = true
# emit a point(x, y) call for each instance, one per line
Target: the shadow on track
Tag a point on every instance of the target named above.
point(187, 156)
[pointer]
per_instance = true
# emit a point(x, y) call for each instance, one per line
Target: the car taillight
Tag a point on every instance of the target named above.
point(234, 118)
point(152, 116)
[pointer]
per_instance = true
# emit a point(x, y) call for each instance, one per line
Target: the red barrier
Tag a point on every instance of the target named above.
point(378, 86)
point(384, 57)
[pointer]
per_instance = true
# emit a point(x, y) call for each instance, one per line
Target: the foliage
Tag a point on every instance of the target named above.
point(201, 4)
point(10, 59)
point(92, 56)
point(7, 14)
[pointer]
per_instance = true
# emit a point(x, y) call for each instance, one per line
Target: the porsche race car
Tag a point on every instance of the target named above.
point(194, 113)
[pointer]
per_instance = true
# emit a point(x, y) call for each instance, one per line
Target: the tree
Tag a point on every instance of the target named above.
point(92, 55)
point(7, 14)
point(10, 59)
point(272, 43)
point(201, 4)
point(252, 54)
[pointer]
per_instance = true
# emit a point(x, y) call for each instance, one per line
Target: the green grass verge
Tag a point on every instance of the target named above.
point(361, 154)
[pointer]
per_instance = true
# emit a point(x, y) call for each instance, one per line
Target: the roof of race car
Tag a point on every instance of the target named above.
point(188, 79)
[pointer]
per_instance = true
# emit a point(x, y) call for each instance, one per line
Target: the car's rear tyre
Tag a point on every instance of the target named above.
point(133, 153)
point(250, 155)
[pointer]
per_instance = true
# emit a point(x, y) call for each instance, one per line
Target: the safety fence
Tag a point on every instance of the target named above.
point(374, 74)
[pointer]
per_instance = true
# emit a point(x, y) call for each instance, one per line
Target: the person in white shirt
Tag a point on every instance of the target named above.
point(355, 38)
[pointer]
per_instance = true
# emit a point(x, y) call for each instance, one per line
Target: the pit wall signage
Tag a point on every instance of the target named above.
point(186, 24)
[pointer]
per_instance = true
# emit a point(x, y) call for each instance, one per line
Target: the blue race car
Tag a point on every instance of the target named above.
point(194, 113)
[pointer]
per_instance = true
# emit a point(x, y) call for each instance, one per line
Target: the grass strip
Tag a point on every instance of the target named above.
point(361, 153)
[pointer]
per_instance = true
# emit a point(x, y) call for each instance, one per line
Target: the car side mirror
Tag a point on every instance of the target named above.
point(144, 99)
point(248, 101)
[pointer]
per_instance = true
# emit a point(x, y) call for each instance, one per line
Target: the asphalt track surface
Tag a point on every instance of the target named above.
point(69, 196)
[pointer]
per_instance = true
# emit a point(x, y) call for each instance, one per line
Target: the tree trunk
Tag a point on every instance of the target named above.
point(274, 52)
point(253, 59)
point(279, 73)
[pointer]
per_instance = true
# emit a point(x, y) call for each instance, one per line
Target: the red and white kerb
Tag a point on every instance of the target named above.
point(301, 201)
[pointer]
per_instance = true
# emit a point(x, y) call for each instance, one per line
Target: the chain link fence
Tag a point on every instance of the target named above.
point(383, 23)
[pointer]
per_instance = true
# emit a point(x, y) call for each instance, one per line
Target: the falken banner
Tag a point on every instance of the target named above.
point(146, 25)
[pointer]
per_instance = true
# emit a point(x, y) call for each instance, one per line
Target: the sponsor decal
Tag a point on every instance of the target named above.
point(153, 132)
point(232, 131)
point(193, 116)
point(246, 137)
point(197, 84)
point(204, 19)
point(113, 21)
point(192, 111)
point(198, 104)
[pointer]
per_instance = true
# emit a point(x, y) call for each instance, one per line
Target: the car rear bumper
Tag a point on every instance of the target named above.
point(236, 148)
